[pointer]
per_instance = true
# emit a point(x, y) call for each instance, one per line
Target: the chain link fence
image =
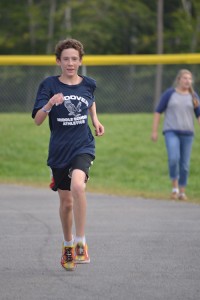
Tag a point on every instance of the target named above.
point(120, 89)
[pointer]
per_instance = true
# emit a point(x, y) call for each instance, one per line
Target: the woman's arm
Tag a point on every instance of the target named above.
point(156, 121)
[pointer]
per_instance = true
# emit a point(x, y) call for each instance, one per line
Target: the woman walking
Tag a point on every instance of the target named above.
point(180, 103)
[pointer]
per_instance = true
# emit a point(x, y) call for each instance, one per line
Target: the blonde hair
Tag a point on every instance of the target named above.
point(191, 90)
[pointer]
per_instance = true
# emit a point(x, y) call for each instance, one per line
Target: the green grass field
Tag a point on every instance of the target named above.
point(127, 162)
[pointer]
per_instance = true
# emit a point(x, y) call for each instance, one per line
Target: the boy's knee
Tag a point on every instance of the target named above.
point(66, 205)
point(78, 188)
point(66, 201)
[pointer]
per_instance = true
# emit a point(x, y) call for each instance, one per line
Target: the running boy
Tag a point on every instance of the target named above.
point(67, 100)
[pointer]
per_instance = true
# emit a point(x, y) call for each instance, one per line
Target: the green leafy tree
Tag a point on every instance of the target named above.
point(104, 26)
point(182, 27)
point(117, 27)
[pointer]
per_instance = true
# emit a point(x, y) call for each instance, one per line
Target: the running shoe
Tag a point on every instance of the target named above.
point(81, 254)
point(67, 259)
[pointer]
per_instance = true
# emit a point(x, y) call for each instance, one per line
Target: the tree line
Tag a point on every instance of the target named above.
point(103, 26)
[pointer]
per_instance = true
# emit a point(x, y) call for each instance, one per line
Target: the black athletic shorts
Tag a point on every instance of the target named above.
point(61, 178)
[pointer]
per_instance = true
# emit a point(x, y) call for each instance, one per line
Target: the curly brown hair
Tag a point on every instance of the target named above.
point(67, 44)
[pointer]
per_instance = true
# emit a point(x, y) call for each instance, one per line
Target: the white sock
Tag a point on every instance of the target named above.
point(175, 190)
point(80, 239)
point(69, 243)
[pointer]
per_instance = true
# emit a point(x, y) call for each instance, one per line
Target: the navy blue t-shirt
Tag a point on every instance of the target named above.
point(68, 122)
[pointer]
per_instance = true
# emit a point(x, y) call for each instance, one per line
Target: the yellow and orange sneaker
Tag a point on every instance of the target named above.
point(81, 253)
point(67, 258)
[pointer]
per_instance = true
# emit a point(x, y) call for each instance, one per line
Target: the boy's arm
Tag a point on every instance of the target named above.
point(99, 128)
point(42, 113)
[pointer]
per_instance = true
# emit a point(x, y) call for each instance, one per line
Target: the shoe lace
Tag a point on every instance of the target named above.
point(80, 250)
point(68, 254)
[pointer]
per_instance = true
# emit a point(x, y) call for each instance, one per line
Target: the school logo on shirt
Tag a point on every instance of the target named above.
point(73, 109)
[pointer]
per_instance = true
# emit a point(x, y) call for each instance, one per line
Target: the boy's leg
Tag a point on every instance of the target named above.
point(66, 217)
point(78, 186)
point(66, 213)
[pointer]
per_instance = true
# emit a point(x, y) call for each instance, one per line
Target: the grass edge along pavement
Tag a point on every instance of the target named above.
point(127, 162)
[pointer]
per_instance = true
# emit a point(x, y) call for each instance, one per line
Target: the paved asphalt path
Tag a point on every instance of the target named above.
point(140, 249)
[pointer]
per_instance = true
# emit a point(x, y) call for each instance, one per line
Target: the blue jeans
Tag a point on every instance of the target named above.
point(179, 148)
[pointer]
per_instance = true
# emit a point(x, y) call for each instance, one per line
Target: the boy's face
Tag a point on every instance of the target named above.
point(69, 62)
